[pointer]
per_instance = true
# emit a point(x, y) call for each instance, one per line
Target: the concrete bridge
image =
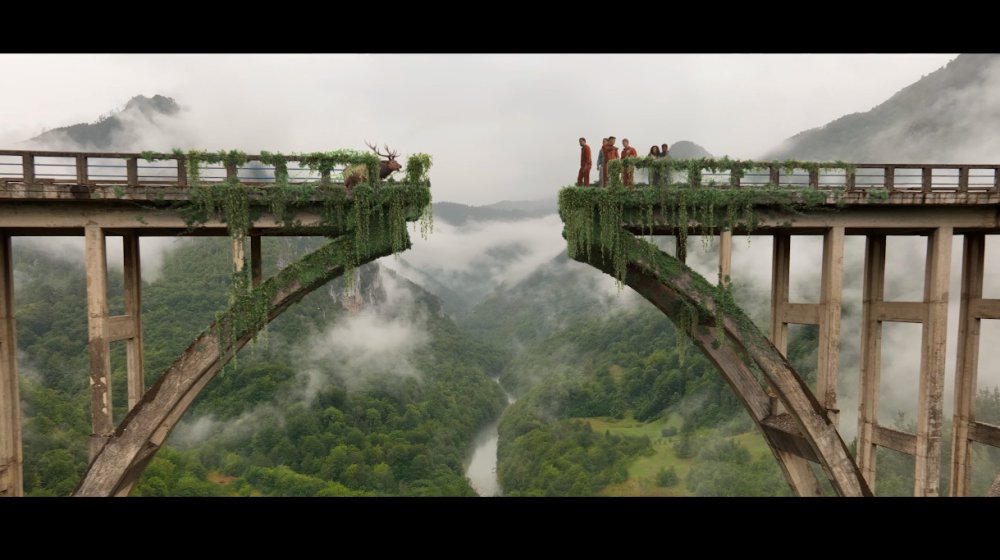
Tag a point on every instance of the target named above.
point(831, 200)
point(130, 195)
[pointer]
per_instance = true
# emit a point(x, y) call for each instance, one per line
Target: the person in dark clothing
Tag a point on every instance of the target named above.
point(654, 173)
point(665, 153)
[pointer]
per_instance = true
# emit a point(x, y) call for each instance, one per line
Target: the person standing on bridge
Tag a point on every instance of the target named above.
point(610, 154)
point(665, 154)
point(628, 172)
point(583, 177)
point(600, 162)
point(654, 172)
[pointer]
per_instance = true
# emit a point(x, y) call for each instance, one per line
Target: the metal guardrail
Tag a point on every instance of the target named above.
point(100, 168)
point(114, 168)
point(893, 176)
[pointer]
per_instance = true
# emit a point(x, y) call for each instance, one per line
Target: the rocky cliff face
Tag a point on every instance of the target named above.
point(365, 290)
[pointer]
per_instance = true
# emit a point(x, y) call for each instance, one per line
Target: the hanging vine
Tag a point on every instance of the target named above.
point(598, 216)
point(374, 214)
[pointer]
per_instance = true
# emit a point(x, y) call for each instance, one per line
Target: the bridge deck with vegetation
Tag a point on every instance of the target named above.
point(58, 193)
point(205, 193)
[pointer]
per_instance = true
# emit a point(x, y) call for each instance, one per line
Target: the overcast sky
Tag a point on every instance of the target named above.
point(499, 126)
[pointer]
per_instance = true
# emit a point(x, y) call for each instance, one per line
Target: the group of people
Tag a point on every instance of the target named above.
point(609, 152)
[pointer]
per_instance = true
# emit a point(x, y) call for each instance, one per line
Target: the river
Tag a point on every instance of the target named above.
point(482, 467)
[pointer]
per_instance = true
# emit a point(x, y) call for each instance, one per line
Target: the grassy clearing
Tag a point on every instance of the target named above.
point(642, 472)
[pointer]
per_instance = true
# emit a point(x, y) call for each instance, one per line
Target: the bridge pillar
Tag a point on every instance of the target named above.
point(780, 263)
point(725, 257)
point(779, 290)
point(967, 363)
point(11, 459)
point(932, 312)
point(871, 355)
point(256, 269)
point(96, 264)
point(825, 314)
point(932, 363)
point(239, 252)
point(828, 354)
point(133, 310)
point(796, 468)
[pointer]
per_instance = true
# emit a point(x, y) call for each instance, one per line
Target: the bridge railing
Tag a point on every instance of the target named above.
point(896, 176)
point(132, 169)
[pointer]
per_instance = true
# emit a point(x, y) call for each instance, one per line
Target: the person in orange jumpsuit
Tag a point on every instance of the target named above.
point(628, 174)
point(610, 154)
point(583, 177)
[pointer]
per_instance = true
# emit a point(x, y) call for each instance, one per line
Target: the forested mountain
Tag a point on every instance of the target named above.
point(600, 377)
point(949, 116)
point(507, 211)
point(321, 406)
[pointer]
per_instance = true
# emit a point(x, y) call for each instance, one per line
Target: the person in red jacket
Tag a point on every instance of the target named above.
point(628, 174)
point(610, 154)
point(583, 177)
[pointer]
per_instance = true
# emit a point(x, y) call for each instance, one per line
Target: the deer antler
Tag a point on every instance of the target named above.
point(373, 148)
point(390, 154)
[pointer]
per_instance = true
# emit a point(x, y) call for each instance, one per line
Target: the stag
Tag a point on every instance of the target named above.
point(356, 174)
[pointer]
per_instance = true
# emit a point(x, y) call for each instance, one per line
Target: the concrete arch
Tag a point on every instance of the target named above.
point(798, 436)
point(116, 468)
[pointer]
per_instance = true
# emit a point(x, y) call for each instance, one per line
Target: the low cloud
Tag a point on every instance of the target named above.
point(479, 256)
point(152, 251)
point(376, 344)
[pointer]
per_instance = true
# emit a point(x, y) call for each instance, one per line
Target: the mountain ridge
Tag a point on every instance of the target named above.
point(948, 116)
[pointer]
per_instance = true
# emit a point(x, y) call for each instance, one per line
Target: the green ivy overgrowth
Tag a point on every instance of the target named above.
point(595, 218)
point(250, 307)
point(375, 212)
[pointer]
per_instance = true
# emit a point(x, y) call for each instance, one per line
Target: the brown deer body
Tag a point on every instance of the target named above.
point(356, 174)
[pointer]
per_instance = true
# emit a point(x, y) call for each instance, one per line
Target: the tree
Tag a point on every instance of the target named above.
point(666, 477)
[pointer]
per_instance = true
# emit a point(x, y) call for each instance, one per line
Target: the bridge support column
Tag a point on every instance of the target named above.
point(932, 363)
point(96, 265)
point(796, 468)
point(932, 312)
point(967, 363)
point(780, 263)
point(828, 354)
point(725, 257)
point(11, 459)
point(871, 355)
point(133, 310)
point(239, 253)
point(779, 290)
point(256, 269)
